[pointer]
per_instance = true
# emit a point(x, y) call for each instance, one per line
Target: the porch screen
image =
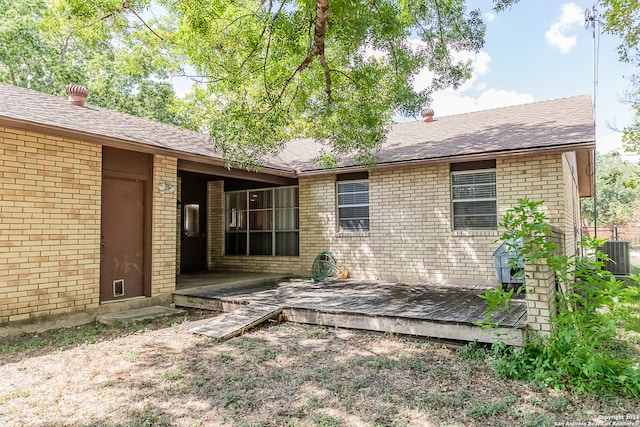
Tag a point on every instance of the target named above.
point(474, 200)
point(262, 222)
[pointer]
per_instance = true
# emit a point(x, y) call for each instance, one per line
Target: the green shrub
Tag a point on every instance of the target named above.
point(586, 351)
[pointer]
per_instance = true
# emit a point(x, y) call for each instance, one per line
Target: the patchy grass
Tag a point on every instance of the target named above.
point(37, 344)
point(278, 375)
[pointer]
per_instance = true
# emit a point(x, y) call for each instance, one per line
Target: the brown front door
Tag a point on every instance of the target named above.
point(193, 247)
point(123, 222)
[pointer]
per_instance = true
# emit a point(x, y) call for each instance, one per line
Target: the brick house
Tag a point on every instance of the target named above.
point(100, 211)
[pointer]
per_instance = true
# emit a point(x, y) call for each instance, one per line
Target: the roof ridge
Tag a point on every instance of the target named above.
point(501, 108)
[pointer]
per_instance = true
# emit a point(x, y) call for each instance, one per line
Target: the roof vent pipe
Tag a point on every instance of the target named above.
point(427, 114)
point(77, 94)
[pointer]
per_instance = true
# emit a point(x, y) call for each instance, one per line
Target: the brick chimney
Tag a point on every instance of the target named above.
point(77, 94)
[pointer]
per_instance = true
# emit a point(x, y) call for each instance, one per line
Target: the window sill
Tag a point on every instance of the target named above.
point(470, 233)
point(352, 234)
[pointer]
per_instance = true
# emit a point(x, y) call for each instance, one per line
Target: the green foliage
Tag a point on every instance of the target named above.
point(473, 351)
point(618, 198)
point(586, 350)
point(333, 70)
point(622, 18)
point(497, 300)
point(45, 45)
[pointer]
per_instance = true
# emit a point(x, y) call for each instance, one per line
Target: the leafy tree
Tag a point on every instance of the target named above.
point(622, 18)
point(336, 70)
point(45, 45)
point(617, 198)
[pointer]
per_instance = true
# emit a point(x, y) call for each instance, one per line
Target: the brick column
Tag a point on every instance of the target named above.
point(541, 298)
point(163, 268)
point(540, 282)
point(178, 224)
point(215, 222)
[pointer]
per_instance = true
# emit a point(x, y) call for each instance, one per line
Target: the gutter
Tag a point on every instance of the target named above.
point(30, 126)
point(576, 146)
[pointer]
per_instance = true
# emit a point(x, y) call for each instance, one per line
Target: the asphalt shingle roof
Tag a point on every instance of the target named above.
point(562, 123)
point(30, 106)
point(565, 122)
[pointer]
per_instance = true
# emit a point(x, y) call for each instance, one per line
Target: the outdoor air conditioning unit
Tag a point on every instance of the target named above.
point(618, 251)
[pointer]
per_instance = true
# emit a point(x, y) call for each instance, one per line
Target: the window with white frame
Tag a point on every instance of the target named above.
point(262, 222)
point(474, 199)
point(353, 205)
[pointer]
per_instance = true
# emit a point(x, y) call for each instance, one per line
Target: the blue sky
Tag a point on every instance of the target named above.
point(539, 50)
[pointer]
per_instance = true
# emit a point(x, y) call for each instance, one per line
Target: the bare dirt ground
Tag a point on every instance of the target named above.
point(276, 375)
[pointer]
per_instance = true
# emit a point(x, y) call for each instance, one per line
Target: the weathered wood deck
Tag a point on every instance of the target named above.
point(424, 310)
point(237, 321)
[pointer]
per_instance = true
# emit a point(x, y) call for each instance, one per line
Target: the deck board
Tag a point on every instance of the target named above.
point(358, 302)
point(237, 321)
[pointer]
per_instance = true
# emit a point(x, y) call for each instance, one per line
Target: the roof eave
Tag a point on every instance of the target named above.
point(63, 132)
point(583, 145)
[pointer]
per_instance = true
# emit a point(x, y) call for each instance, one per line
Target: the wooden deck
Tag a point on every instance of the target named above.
point(423, 310)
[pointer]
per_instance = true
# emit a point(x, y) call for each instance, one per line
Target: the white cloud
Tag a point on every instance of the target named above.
point(446, 103)
point(558, 35)
point(449, 101)
point(489, 16)
point(609, 140)
point(479, 62)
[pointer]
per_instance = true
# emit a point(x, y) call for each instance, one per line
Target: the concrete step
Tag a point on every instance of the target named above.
point(138, 315)
point(238, 321)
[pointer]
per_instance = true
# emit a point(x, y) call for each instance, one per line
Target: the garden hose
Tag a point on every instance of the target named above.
point(324, 267)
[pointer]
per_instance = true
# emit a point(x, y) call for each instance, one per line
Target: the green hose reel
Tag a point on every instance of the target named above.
point(324, 267)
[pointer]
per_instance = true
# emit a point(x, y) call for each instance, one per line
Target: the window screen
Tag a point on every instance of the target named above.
point(353, 205)
point(474, 200)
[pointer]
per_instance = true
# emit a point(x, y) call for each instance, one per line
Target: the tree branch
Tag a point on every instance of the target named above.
point(65, 47)
point(322, 8)
point(355, 83)
point(266, 53)
point(440, 31)
point(145, 24)
point(327, 76)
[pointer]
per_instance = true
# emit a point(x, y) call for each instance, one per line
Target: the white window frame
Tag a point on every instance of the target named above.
point(356, 205)
point(467, 200)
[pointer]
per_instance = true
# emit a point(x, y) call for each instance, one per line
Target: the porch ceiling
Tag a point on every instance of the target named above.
point(212, 169)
